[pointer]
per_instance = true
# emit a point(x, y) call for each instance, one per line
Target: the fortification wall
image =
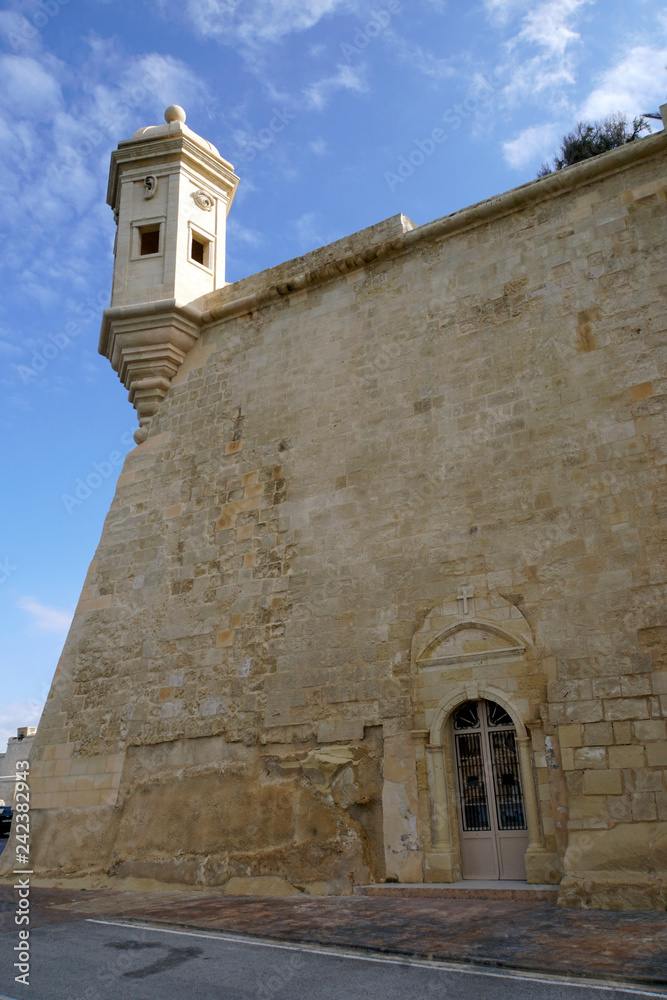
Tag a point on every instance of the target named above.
point(483, 407)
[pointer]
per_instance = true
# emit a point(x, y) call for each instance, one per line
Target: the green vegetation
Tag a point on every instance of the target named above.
point(591, 138)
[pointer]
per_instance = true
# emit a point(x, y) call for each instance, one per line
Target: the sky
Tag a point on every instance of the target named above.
point(329, 112)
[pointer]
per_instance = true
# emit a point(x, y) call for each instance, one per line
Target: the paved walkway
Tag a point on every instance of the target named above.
point(527, 935)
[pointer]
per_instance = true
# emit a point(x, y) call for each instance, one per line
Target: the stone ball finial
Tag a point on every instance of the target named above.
point(174, 113)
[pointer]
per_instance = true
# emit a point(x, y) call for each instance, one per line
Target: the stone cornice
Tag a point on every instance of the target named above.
point(261, 290)
point(145, 152)
point(149, 314)
point(299, 281)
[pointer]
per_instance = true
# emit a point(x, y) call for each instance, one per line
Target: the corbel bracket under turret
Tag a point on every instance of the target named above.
point(146, 344)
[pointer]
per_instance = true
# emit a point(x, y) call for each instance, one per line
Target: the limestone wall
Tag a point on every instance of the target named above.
point(18, 749)
point(480, 407)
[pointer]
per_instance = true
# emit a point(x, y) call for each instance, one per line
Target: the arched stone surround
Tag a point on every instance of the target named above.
point(485, 652)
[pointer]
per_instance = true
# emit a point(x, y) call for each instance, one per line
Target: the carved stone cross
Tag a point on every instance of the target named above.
point(464, 595)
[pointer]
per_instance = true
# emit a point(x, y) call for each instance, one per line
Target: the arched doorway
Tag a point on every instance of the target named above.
point(493, 827)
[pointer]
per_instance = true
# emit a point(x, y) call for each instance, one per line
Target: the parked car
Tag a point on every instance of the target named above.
point(5, 820)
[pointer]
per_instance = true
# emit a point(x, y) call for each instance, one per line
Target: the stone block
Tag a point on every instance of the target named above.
point(588, 807)
point(63, 767)
point(656, 754)
point(570, 736)
point(593, 757)
point(649, 781)
point(643, 807)
point(619, 808)
point(636, 685)
point(606, 687)
point(627, 756)
point(587, 711)
point(626, 708)
point(339, 732)
point(603, 782)
point(623, 732)
point(653, 730)
point(175, 510)
point(598, 734)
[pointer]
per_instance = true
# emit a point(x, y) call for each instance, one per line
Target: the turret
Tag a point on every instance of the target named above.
point(170, 191)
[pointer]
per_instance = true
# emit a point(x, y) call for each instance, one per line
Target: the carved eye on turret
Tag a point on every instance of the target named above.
point(203, 200)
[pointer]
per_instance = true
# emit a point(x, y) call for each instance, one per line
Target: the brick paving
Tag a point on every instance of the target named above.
point(535, 936)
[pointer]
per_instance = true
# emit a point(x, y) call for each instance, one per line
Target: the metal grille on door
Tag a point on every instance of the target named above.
point(491, 811)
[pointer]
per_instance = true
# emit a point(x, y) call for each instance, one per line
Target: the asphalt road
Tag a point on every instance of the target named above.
point(90, 960)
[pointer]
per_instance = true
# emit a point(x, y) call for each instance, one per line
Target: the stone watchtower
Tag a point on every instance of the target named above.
point(170, 191)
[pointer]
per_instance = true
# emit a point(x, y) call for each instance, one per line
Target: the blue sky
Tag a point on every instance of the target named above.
point(327, 109)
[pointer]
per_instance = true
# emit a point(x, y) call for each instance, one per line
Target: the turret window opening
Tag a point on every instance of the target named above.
point(149, 240)
point(200, 250)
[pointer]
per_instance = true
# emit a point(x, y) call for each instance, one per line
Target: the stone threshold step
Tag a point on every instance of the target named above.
point(468, 889)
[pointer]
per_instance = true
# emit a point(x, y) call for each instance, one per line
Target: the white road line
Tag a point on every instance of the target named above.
point(435, 965)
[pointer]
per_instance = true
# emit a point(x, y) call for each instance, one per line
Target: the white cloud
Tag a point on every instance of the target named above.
point(18, 32)
point(45, 618)
point(53, 172)
point(256, 21)
point(503, 10)
point(28, 88)
point(532, 77)
point(533, 143)
point(347, 78)
point(633, 85)
point(15, 715)
point(319, 146)
point(8, 348)
point(238, 233)
point(307, 232)
point(424, 61)
point(541, 66)
point(539, 56)
point(550, 25)
point(637, 83)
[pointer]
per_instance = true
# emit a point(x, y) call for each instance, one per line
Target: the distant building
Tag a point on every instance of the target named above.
point(381, 591)
point(18, 748)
